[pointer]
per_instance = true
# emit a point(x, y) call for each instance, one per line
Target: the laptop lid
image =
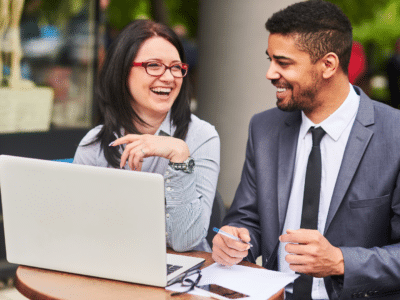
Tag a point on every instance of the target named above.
point(88, 220)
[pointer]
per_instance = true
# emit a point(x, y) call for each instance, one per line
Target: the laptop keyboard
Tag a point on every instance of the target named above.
point(172, 268)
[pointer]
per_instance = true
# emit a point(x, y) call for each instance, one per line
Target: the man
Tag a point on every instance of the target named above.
point(348, 176)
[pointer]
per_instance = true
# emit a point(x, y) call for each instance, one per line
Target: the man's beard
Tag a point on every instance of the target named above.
point(304, 101)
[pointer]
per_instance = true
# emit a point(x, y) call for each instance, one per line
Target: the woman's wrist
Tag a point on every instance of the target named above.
point(179, 158)
point(180, 152)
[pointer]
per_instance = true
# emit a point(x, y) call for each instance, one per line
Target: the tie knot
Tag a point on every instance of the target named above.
point(317, 135)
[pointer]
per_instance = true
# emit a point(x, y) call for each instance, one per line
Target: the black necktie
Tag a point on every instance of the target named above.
point(309, 217)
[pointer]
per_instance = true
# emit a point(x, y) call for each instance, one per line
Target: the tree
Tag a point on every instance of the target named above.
point(360, 11)
point(170, 12)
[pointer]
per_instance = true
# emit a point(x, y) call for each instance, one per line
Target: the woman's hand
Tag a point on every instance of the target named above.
point(139, 146)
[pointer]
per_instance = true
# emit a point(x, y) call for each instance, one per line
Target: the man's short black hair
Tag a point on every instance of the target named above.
point(319, 27)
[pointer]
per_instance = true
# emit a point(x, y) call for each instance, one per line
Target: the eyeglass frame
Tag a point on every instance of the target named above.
point(187, 282)
point(184, 66)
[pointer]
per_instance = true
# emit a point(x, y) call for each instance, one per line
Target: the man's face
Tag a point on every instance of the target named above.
point(293, 74)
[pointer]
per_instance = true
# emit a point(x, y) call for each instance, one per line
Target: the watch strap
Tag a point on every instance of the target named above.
point(187, 166)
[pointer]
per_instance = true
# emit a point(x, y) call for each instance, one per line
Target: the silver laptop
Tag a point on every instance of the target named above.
point(88, 220)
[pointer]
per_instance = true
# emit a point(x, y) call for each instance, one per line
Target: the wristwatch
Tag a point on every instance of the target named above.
point(187, 166)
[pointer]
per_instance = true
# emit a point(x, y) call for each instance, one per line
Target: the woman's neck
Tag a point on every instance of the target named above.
point(153, 123)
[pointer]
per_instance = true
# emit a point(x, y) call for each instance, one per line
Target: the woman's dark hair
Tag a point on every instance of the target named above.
point(319, 27)
point(112, 90)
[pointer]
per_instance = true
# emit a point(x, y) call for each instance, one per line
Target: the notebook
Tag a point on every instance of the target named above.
point(88, 220)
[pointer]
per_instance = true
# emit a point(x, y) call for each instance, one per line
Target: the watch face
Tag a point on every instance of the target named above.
point(191, 164)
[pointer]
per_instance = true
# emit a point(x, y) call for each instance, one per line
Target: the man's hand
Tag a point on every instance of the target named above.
point(227, 251)
point(311, 253)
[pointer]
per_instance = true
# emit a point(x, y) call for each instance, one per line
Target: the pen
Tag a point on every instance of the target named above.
point(230, 236)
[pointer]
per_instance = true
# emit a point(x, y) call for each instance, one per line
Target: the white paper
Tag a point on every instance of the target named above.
point(257, 283)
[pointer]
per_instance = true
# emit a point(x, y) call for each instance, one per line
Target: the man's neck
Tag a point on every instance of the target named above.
point(332, 96)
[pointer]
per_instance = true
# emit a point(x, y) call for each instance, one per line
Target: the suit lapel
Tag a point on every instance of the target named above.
point(287, 146)
point(357, 144)
point(287, 156)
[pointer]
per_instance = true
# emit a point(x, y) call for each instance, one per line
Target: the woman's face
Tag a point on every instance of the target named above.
point(154, 96)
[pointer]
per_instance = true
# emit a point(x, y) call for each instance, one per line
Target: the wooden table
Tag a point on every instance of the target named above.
point(35, 284)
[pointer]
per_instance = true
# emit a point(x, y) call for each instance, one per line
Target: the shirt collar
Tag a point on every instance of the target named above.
point(166, 127)
point(337, 122)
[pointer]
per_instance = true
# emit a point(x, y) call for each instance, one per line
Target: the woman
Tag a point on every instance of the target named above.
point(146, 125)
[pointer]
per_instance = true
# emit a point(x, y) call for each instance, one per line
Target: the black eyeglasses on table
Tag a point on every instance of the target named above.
point(187, 282)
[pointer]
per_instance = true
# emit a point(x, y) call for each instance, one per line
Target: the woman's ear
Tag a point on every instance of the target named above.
point(330, 65)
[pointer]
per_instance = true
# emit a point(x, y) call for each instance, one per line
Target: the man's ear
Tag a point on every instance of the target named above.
point(330, 65)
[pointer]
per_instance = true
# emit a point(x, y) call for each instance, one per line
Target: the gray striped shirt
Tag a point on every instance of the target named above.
point(189, 197)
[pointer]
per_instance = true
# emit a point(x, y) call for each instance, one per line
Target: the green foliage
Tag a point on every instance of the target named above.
point(374, 22)
point(384, 29)
point(59, 12)
point(360, 11)
point(185, 12)
point(122, 12)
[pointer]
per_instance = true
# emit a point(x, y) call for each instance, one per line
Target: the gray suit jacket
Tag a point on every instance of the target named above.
point(364, 214)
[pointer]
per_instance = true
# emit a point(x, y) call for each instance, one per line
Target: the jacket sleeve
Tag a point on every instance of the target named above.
point(372, 272)
point(243, 211)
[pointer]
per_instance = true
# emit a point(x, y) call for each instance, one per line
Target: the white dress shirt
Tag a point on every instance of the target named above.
point(337, 127)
